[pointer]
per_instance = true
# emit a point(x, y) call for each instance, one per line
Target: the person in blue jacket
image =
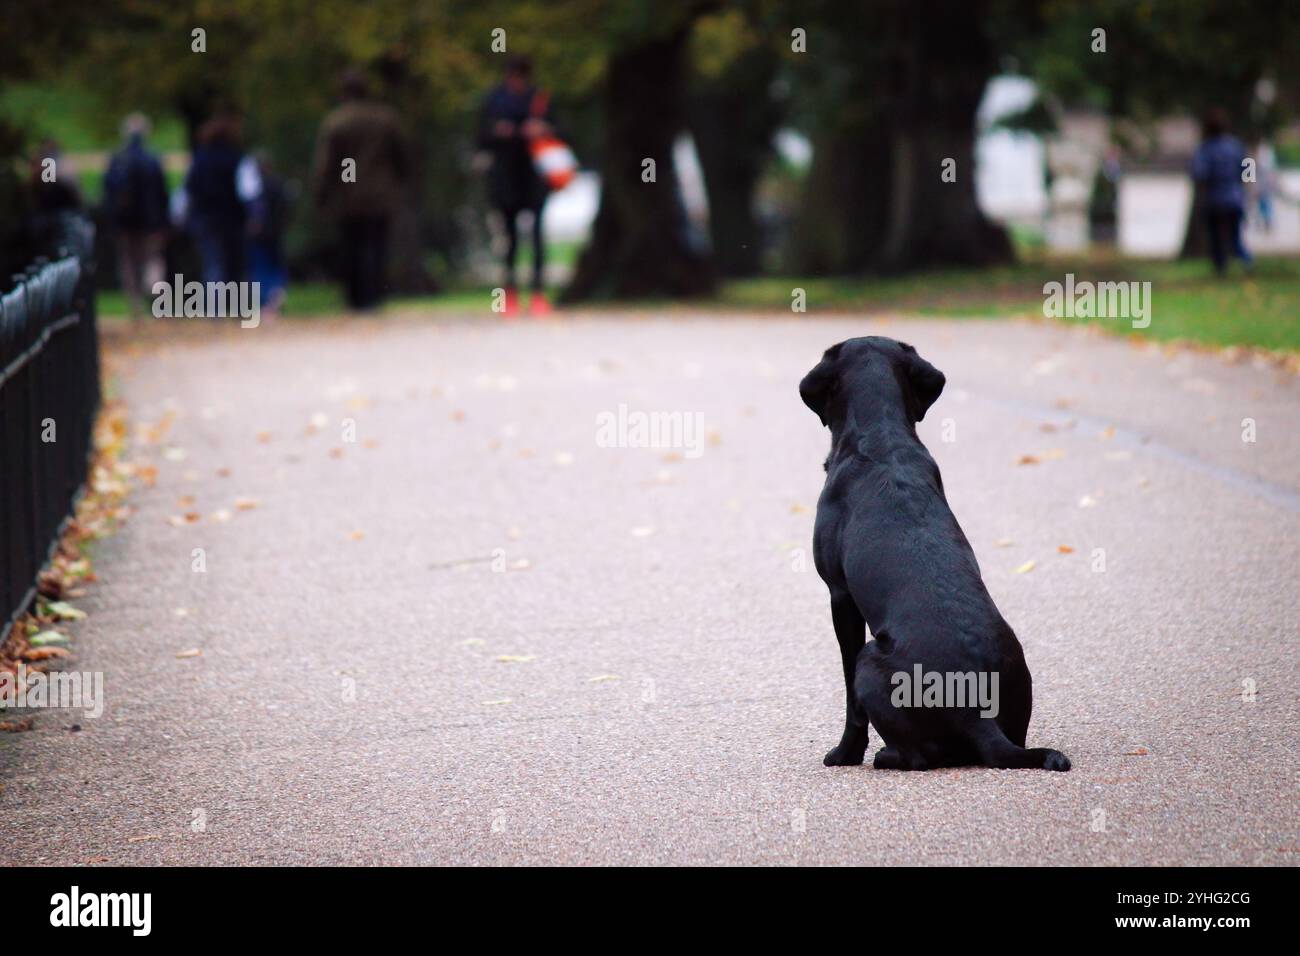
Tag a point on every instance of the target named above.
point(1217, 168)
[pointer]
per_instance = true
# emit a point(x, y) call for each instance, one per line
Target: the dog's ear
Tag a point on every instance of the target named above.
point(925, 380)
point(817, 385)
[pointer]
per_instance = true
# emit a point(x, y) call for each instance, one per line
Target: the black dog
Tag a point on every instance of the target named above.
point(894, 558)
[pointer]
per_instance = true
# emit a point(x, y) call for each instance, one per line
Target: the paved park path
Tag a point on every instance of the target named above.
point(646, 673)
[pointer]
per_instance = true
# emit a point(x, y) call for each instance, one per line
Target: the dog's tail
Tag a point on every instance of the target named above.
point(995, 750)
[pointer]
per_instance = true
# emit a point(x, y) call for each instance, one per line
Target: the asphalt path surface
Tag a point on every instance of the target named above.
point(466, 632)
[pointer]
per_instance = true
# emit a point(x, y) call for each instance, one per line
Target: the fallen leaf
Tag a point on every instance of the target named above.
point(496, 703)
point(1140, 752)
point(192, 652)
point(600, 678)
point(245, 504)
point(642, 532)
point(1003, 543)
point(516, 658)
point(185, 501)
point(1027, 567)
point(43, 653)
point(223, 472)
point(1064, 549)
point(221, 516)
point(1087, 501)
point(193, 517)
point(672, 456)
point(522, 564)
point(336, 452)
point(798, 509)
point(1107, 433)
point(356, 535)
point(46, 638)
point(1027, 460)
point(143, 839)
point(174, 453)
point(458, 415)
point(264, 437)
point(63, 611)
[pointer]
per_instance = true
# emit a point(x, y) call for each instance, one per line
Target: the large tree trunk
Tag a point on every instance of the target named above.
point(733, 119)
point(845, 202)
point(937, 82)
point(639, 244)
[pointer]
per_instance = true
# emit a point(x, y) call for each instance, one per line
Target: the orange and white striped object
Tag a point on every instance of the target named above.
point(553, 160)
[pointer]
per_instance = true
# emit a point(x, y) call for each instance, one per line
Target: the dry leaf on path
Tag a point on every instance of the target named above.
point(1027, 566)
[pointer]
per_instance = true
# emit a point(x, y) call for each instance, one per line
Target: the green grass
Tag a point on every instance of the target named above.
point(77, 120)
point(1187, 300)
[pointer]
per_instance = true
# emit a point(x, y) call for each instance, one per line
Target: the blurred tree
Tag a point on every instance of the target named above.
point(890, 92)
point(33, 41)
point(639, 245)
point(735, 106)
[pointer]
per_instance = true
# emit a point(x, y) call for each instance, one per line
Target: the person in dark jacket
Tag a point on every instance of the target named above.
point(1217, 168)
point(513, 114)
point(216, 213)
point(135, 207)
point(361, 177)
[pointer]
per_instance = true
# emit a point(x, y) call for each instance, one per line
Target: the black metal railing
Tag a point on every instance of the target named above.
point(49, 394)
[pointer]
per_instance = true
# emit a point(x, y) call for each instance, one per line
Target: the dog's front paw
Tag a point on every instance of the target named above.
point(841, 756)
point(1055, 760)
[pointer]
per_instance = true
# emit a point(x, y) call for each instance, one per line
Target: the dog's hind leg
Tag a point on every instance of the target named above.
point(850, 631)
point(995, 750)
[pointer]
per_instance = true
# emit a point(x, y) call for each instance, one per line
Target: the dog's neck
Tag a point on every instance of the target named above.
point(871, 430)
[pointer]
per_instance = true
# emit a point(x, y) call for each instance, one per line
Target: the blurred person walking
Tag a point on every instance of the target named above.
point(214, 209)
point(361, 177)
point(1217, 168)
point(513, 115)
point(266, 197)
point(135, 207)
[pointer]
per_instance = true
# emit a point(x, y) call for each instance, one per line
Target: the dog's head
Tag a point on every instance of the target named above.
point(887, 370)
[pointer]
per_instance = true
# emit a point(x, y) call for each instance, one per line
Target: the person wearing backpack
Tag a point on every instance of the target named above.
point(1217, 168)
point(135, 207)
